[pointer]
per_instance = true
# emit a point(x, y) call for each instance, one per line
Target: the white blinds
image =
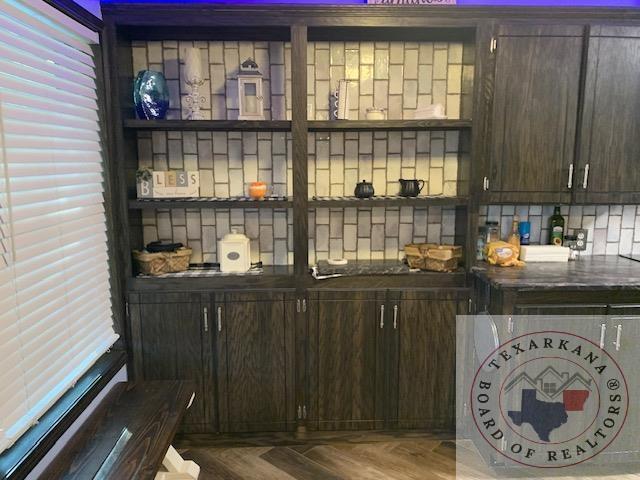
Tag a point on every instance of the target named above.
point(55, 309)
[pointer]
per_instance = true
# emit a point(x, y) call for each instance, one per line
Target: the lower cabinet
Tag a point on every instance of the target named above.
point(423, 359)
point(255, 362)
point(345, 360)
point(270, 361)
point(170, 342)
point(381, 359)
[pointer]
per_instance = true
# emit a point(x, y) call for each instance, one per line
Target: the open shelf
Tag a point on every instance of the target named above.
point(368, 125)
point(210, 125)
point(385, 201)
point(210, 202)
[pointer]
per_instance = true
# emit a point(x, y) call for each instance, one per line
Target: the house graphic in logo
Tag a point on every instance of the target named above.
point(541, 405)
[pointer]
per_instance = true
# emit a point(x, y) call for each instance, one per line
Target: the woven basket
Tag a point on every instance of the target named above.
point(433, 257)
point(163, 262)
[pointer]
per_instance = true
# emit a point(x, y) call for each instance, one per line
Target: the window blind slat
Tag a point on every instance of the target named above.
point(34, 157)
point(55, 303)
point(27, 87)
point(43, 63)
point(22, 37)
point(45, 117)
point(16, 99)
point(18, 11)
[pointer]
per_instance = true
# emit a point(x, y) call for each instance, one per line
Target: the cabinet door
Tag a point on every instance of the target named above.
point(167, 337)
point(423, 360)
point(345, 360)
point(535, 109)
point(588, 321)
point(609, 142)
point(255, 362)
point(623, 344)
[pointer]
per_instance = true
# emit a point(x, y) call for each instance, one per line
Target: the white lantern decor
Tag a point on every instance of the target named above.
point(250, 99)
point(195, 79)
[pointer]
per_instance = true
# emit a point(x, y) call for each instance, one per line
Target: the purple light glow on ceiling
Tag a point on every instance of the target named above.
point(522, 3)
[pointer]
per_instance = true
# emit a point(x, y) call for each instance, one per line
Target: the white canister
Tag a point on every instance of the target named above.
point(234, 253)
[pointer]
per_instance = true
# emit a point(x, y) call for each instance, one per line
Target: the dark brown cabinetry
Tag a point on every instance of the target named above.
point(535, 110)
point(422, 359)
point(609, 147)
point(170, 342)
point(345, 360)
point(255, 361)
point(383, 359)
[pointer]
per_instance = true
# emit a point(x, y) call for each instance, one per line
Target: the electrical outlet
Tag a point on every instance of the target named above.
point(581, 238)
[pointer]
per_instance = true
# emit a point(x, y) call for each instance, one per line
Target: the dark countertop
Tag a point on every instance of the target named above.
point(595, 272)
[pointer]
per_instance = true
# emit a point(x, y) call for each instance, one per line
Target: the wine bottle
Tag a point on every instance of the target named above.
point(556, 233)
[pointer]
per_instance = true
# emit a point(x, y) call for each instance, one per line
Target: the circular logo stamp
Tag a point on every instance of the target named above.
point(549, 399)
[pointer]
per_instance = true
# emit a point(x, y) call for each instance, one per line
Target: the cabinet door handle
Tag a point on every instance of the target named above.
point(206, 319)
point(395, 317)
point(585, 179)
point(219, 319)
point(304, 304)
point(298, 305)
point(570, 180)
point(381, 316)
point(618, 336)
point(603, 331)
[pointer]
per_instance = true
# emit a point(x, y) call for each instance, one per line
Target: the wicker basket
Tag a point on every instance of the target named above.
point(434, 257)
point(163, 262)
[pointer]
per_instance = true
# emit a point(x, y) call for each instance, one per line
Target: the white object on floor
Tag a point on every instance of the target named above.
point(544, 253)
point(177, 467)
point(337, 261)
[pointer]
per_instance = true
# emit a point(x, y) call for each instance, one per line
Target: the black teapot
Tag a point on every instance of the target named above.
point(410, 188)
point(364, 189)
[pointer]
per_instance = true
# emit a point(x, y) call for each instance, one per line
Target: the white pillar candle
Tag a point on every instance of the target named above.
point(193, 66)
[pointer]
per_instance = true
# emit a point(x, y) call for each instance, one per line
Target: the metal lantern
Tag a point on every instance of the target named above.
point(250, 99)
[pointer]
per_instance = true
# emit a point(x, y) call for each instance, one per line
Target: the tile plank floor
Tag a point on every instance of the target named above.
point(353, 456)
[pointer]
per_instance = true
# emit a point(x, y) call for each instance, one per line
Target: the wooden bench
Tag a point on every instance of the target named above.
point(129, 436)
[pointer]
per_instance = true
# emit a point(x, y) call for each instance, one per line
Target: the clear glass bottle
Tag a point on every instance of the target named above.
point(493, 231)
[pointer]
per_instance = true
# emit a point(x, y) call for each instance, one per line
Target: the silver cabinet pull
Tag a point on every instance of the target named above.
point(304, 304)
point(395, 317)
point(381, 316)
point(298, 305)
point(603, 330)
point(618, 336)
point(206, 319)
point(570, 180)
point(585, 179)
point(219, 319)
point(485, 184)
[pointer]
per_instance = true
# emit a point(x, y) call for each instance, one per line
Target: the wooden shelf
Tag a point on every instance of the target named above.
point(386, 201)
point(211, 125)
point(367, 125)
point(209, 202)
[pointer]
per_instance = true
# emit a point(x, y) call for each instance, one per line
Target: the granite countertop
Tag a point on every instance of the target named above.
point(598, 271)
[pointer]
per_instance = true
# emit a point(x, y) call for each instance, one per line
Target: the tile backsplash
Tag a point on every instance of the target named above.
point(396, 76)
point(612, 229)
point(376, 233)
point(338, 161)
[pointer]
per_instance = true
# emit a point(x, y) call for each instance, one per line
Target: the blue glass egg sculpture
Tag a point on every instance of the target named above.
point(151, 95)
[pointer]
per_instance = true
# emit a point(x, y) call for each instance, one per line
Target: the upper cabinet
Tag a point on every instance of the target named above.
point(609, 145)
point(535, 111)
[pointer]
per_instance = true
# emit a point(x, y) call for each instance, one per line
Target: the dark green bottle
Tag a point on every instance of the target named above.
point(556, 233)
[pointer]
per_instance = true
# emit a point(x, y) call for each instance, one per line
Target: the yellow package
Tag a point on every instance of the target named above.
point(503, 254)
